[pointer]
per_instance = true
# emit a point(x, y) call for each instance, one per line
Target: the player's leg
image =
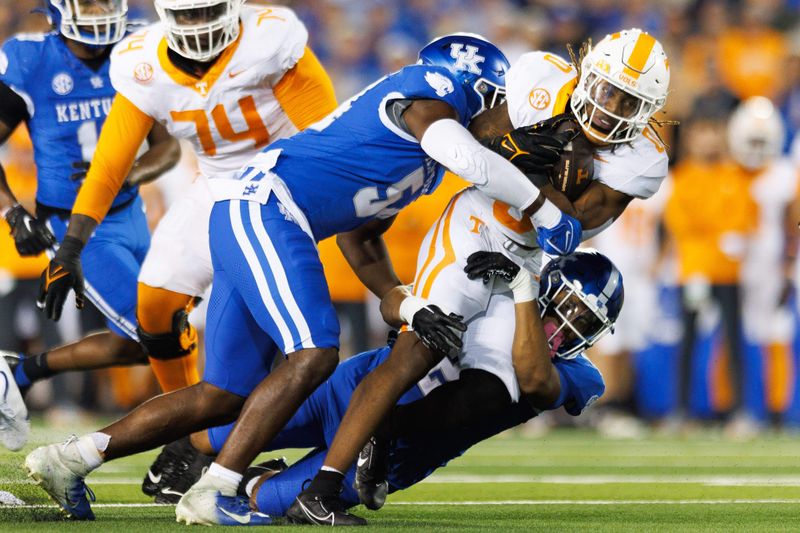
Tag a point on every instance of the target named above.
point(279, 274)
point(177, 268)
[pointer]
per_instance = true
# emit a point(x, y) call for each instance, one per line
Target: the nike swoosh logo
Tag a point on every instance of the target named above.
point(362, 461)
point(169, 490)
point(57, 274)
point(241, 519)
point(155, 479)
point(317, 519)
point(27, 222)
point(234, 74)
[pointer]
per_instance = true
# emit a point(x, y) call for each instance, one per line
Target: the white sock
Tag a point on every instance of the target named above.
point(89, 453)
point(228, 476)
point(330, 469)
point(100, 440)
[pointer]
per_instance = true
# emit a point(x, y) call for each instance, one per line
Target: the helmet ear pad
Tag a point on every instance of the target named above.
point(476, 63)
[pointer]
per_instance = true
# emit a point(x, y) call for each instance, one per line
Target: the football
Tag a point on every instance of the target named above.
point(574, 172)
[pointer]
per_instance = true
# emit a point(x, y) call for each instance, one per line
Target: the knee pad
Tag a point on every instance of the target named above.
point(181, 341)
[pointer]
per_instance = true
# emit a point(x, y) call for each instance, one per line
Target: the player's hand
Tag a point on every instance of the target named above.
point(31, 237)
point(63, 273)
point(437, 330)
point(81, 168)
point(533, 149)
point(488, 265)
point(557, 233)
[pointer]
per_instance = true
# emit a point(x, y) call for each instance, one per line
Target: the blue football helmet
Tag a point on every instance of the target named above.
point(478, 64)
point(580, 298)
point(91, 22)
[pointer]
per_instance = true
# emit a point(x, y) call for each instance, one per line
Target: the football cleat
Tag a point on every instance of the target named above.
point(60, 470)
point(371, 468)
point(235, 511)
point(164, 464)
point(199, 504)
point(182, 476)
point(321, 510)
point(267, 469)
point(14, 424)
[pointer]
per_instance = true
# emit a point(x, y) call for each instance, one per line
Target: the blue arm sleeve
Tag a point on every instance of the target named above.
point(581, 384)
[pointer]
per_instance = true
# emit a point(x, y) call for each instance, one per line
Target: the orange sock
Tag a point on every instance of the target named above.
point(155, 312)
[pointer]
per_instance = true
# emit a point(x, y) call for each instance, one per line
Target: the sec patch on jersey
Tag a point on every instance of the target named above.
point(575, 170)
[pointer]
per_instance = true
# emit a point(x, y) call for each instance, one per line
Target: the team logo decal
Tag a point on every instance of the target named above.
point(143, 72)
point(539, 98)
point(62, 84)
point(3, 62)
point(439, 83)
point(96, 81)
point(467, 58)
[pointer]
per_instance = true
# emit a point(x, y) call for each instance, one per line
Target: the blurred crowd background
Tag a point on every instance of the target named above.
point(708, 333)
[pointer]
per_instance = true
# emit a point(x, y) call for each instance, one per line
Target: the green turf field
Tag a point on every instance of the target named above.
point(569, 480)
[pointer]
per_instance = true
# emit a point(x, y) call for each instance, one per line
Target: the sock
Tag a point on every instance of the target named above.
point(100, 440)
point(225, 474)
point(32, 369)
point(89, 453)
point(327, 481)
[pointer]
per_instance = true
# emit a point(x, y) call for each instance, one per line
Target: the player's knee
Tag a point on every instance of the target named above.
point(410, 359)
point(180, 341)
point(215, 403)
point(125, 351)
point(315, 365)
point(155, 307)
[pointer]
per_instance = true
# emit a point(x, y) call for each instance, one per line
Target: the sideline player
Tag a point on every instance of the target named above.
point(453, 408)
point(230, 79)
point(348, 175)
point(58, 84)
point(622, 82)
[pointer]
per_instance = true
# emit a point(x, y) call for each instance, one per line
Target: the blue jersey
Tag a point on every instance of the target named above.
point(357, 164)
point(67, 104)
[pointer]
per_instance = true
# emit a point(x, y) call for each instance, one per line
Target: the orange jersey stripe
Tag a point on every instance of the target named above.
point(449, 254)
point(305, 92)
point(431, 250)
point(638, 58)
point(125, 128)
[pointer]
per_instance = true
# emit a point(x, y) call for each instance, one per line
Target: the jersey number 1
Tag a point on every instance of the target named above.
point(256, 130)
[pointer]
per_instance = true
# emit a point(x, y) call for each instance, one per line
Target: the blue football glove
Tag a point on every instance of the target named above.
point(561, 238)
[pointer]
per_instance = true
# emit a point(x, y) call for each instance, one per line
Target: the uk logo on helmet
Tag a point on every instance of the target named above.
point(467, 58)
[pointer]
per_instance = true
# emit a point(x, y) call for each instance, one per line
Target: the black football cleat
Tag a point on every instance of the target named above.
point(184, 474)
point(321, 510)
point(371, 470)
point(166, 462)
point(267, 468)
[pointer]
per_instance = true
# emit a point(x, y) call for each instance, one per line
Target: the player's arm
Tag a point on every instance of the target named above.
point(538, 378)
point(31, 237)
point(366, 252)
point(305, 92)
point(434, 123)
point(598, 204)
point(163, 154)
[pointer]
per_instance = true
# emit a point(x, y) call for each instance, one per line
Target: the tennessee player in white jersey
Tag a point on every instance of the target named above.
point(229, 79)
point(755, 136)
point(541, 85)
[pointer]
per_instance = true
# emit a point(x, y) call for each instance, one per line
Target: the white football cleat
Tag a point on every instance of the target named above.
point(14, 424)
point(199, 504)
point(59, 469)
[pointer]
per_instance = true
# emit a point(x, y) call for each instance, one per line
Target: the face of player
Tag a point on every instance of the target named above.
point(200, 17)
point(611, 104)
point(568, 320)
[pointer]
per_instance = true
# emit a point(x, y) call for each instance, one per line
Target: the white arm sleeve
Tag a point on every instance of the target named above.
point(451, 145)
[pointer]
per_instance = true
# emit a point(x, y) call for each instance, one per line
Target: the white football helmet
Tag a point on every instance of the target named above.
point(92, 22)
point(624, 81)
point(199, 29)
point(755, 133)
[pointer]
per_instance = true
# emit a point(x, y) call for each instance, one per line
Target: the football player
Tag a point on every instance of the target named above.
point(58, 84)
point(453, 408)
point(622, 82)
point(349, 174)
point(229, 79)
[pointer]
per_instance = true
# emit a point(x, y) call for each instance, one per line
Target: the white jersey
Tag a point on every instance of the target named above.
point(231, 112)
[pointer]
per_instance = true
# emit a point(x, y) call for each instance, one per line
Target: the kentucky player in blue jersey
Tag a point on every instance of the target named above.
point(349, 176)
point(58, 84)
point(431, 426)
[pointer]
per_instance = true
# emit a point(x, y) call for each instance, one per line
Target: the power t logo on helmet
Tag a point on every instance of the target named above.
point(624, 81)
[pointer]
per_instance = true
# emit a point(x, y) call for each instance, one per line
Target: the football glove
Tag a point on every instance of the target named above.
point(81, 168)
point(63, 273)
point(436, 329)
point(562, 238)
point(31, 237)
point(488, 265)
point(534, 149)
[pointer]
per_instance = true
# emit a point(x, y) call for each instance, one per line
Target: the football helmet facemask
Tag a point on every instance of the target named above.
point(91, 22)
point(624, 81)
point(580, 298)
point(756, 133)
point(199, 29)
